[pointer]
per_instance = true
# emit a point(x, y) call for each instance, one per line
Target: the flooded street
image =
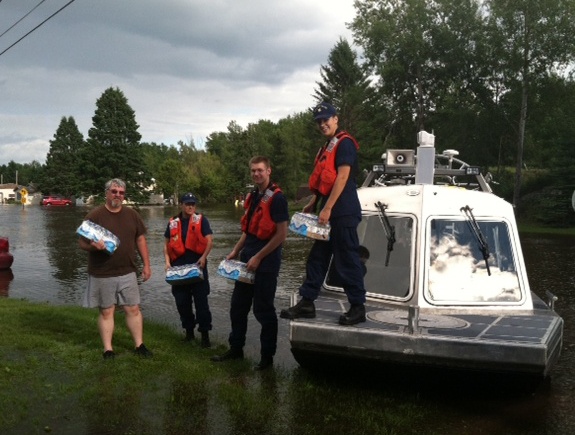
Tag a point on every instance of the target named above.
point(49, 266)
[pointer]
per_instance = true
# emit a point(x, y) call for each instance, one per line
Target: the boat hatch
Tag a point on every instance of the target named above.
point(471, 262)
point(390, 265)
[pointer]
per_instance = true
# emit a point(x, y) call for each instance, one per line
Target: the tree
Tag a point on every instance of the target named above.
point(23, 174)
point(62, 174)
point(345, 85)
point(396, 39)
point(213, 185)
point(422, 53)
point(295, 149)
point(530, 40)
point(170, 178)
point(113, 147)
point(236, 147)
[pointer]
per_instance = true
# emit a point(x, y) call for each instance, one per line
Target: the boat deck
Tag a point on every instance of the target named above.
point(517, 341)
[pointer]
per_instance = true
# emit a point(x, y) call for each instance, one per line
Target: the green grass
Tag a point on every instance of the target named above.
point(53, 379)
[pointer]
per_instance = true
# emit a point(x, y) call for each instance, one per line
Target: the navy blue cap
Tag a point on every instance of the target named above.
point(323, 111)
point(188, 197)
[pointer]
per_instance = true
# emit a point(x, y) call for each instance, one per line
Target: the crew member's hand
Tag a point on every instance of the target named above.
point(253, 263)
point(99, 245)
point(324, 215)
point(146, 273)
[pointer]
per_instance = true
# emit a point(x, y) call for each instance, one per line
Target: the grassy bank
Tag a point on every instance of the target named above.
point(53, 380)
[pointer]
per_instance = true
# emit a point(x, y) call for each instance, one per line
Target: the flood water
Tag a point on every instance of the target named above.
point(49, 266)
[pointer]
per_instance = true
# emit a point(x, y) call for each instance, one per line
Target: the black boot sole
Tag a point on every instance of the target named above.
point(287, 315)
point(347, 321)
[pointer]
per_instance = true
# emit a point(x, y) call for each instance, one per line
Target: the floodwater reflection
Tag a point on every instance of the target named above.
point(6, 277)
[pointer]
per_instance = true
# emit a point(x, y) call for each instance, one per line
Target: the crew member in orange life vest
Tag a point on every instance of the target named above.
point(188, 240)
point(264, 228)
point(335, 192)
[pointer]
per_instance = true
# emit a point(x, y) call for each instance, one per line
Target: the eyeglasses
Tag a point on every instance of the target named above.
point(117, 192)
point(189, 204)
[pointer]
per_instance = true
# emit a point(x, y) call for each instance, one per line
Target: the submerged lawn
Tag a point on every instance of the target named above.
point(53, 380)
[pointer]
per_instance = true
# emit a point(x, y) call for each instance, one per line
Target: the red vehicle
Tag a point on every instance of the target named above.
point(56, 200)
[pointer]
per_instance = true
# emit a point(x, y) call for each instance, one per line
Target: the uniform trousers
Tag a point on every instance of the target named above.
point(262, 294)
point(343, 244)
point(196, 294)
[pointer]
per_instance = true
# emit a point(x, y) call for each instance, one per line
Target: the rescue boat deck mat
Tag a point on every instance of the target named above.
point(399, 317)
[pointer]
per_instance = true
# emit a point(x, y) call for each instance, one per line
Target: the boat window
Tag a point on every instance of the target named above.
point(458, 271)
point(391, 281)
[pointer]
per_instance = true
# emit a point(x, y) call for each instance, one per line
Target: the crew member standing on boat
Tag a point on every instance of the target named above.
point(112, 278)
point(189, 240)
point(335, 192)
point(264, 229)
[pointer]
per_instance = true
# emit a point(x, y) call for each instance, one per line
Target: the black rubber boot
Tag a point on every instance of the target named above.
point(356, 314)
point(303, 309)
point(205, 339)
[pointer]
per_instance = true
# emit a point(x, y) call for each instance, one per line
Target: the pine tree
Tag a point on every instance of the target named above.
point(345, 85)
point(62, 173)
point(113, 147)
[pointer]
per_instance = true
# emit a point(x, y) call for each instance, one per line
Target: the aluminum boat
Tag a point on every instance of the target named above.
point(446, 282)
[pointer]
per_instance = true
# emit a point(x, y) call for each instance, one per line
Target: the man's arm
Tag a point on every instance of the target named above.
point(239, 245)
point(88, 245)
point(277, 239)
point(209, 245)
point(343, 173)
point(166, 255)
point(144, 254)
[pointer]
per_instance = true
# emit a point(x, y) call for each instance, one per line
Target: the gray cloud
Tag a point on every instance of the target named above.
point(187, 67)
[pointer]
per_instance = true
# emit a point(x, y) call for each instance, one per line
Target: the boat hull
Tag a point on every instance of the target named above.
point(521, 342)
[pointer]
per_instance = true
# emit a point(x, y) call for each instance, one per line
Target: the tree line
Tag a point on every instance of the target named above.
point(490, 78)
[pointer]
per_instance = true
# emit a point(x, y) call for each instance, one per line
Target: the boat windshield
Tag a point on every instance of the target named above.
point(458, 269)
point(388, 272)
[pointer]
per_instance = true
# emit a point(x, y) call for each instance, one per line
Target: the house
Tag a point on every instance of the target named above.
point(8, 192)
point(14, 193)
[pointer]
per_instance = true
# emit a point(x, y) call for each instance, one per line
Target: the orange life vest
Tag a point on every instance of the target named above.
point(195, 241)
point(259, 222)
point(324, 172)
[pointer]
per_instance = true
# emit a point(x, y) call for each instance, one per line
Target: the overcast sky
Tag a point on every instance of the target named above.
point(187, 67)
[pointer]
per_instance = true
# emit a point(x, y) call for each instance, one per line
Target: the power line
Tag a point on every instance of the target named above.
point(50, 17)
point(31, 10)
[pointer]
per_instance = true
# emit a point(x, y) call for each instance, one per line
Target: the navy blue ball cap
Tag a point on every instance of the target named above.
point(323, 111)
point(188, 197)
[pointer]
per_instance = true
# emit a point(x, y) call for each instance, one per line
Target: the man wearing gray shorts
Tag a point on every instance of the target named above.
point(112, 277)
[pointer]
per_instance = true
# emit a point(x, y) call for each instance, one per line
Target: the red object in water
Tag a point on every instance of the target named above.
point(6, 277)
point(6, 259)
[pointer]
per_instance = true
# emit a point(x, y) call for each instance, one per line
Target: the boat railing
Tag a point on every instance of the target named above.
point(399, 167)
